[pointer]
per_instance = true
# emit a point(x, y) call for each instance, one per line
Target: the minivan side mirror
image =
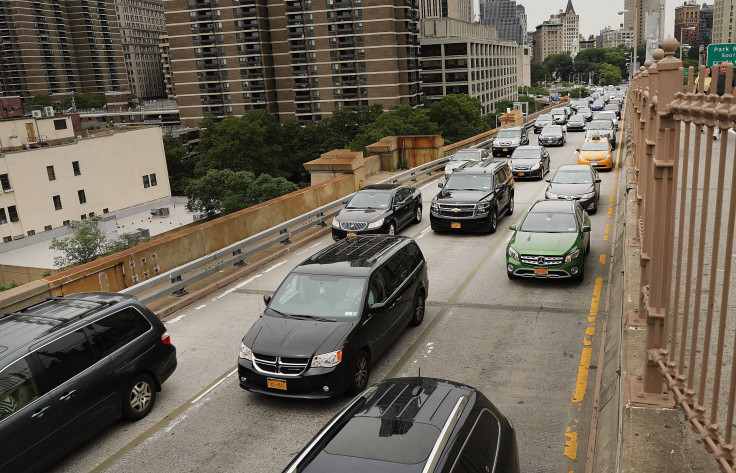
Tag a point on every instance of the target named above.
point(266, 299)
point(586, 228)
point(377, 308)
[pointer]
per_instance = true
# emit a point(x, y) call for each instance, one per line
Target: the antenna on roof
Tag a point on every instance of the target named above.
point(420, 371)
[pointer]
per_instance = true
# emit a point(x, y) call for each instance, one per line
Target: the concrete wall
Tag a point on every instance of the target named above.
point(20, 274)
point(16, 134)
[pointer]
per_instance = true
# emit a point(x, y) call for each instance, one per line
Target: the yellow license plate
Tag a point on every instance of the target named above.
point(276, 384)
point(541, 271)
point(455, 225)
point(505, 149)
point(352, 234)
point(521, 174)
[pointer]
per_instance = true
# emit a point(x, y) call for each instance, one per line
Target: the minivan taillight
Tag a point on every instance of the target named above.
point(426, 265)
point(165, 338)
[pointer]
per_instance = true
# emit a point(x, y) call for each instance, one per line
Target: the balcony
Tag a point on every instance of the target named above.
point(294, 6)
point(342, 4)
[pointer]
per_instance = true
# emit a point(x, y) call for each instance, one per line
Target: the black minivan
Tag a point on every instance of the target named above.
point(411, 425)
point(333, 316)
point(69, 367)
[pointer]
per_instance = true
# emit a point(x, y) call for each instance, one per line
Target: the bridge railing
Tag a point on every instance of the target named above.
point(686, 202)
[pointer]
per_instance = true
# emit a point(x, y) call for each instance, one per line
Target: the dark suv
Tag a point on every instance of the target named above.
point(508, 139)
point(473, 198)
point(333, 316)
point(407, 425)
point(379, 208)
point(71, 366)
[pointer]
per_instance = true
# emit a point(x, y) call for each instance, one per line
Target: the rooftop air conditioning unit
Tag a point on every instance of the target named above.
point(36, 113)
point(48, 111)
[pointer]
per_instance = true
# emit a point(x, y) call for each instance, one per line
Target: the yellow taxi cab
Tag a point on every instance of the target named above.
point(596, 151)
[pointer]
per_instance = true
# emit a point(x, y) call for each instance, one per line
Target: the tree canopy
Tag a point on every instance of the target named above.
point(88, 243)
point(399, 120)
point(458, 117)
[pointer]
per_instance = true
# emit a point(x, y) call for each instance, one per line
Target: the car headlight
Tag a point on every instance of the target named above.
point(433, 206)
point(515, 143)
point(609, 157)
point(587, 195)
point(245, 352)
point(335, 223)
point(550, 195)
point(483, 206)
point(535, 167)
point(327, 360)
point(513, 253)
point(572, 255)
point(376, 224)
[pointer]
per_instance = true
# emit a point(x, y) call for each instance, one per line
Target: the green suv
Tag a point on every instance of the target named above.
point(550, 242)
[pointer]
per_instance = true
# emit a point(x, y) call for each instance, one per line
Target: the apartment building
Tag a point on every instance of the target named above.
point(548, 39)
point(687, 22)
point(142, 22)
point(459, 9)
point(646, 18)
point(506, 18)
point(459, 57)
point(165, 50)
point(56, 47)
point(612, 38)
point(298, 59)
point(723, 28)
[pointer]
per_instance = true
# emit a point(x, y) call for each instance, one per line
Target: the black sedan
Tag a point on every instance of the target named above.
point(553, 135)
point(576, 182)
point(576, 123)
point(530, 161)
point(379, 208)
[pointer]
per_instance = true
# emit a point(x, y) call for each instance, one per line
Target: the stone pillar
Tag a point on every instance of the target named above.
point(336, 163)
point(407, 151)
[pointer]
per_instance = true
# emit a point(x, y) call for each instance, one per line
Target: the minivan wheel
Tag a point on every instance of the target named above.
point(418, 309)
point(360, 373)
point(391, 229)
point(139, 397)
point(418, 214)
point(494, 221)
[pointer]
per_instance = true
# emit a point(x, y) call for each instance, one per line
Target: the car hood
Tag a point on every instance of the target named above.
point(458, 197)
point(588, 155)
point(360, 215)
point(297, 338)
point(527, 243)
point(569, 189)
point(554, 137)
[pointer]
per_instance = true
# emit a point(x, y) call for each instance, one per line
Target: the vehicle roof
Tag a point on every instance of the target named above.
point(594, 138)
point(353, 256)
point(26, 326)
point(542, 206)
point(381, 187)
point(479, 167)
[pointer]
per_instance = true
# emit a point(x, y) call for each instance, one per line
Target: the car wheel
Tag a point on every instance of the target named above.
point(494, 221)
point(418, 214)
point(391, 229)
point(139, 397)
point(510, 275)
point(419, 303)
point(510, 208)
point(360, 373)
point(595, 208)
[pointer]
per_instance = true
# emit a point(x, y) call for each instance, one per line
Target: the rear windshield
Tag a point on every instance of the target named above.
point(391, 440)
point(525, 153)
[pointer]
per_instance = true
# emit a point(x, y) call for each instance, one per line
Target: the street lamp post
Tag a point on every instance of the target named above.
point(636, 37)
point(681, 34)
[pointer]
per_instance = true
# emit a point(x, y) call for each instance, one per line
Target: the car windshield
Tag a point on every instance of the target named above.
point(576, 118)
point(470, 182)
point(466, 156)
point(319, 295)
point(593, 146)
point(558, 112)
point(370, 200)
point(600, 125)
point(549, 222)
point(564, 176)
point(521, 153)
point(508, 134)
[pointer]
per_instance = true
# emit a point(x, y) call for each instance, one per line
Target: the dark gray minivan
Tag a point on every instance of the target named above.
point(69, 367)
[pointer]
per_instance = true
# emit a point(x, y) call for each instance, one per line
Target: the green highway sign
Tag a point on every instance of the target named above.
point(721, 52)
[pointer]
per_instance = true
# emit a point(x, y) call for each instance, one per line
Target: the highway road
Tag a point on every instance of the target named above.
point(531, 346)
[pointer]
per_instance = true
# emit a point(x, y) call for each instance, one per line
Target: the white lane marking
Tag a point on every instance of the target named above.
point(201, 307)
point(316, 245)
point(248, 281)
point(215, 385)
point(420, 236)
point(176, 319)
point(232, 289)
point(302, 252)
point(429, 227)
point(167, 429)
point(274, 266)
point(426, 185)
point(213, 300)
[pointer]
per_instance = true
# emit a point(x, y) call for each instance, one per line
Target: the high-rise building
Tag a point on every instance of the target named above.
point(521, 15)
point(504, 16)
point(723, 31)
point(467, 58)
point(166, 66)
point(646, 17)
point(705, 29)
point(548, 39)
point(687, 22)
point(298, 59)
point(459, 9)
point(612, 38)
point(571, 29)
point(142, 22)
point(57, 47)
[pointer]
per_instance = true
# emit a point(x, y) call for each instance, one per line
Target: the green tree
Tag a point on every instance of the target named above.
point(538, 72)
point(560, 65)
point(579, 92)
point(82, 101)
point(458, 117)
point(223, 191)
point(180, 166)
point(123, 242)
point(87, 244)
point(399, 120)
point(42, 100)
point(610, 75)
point(10, 285)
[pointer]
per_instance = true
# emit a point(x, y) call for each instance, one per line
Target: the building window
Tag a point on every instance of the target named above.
point(60, 124)
point(75, 166)
point(3, 217)
point(5, 182)
point(91, 214)
point(105, 210)
point(82, 197)
point(47, 228)
point(146, 182)
point(57, 202)
point(153, 180)
point(83, 217)
point(51, 173)
point(13, 213)
point(31, 232)
point(7, 239)
point(65, 222)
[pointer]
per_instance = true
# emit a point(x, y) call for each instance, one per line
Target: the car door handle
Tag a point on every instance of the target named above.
point(39, 413)
point(394, 302)
point(68, 395)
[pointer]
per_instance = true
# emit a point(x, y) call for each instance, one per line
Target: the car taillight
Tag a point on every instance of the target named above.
point(165, 338)
point(426, 265)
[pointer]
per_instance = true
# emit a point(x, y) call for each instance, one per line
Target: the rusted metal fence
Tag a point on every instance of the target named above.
point(685, 183)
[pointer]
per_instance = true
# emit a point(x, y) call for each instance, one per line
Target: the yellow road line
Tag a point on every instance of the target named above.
point(608, 228)
point(612, 197)
point(603, 259)
point(571, 444)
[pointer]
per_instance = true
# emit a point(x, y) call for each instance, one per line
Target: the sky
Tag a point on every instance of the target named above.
point(594, 14)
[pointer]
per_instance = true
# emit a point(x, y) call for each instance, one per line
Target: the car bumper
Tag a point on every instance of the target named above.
point(481, 223)
point(503, 150)
point(523, 174)
point(339, 233)
point(548, 142)
point(309, 385)
point(604, 164)
point(565, 270)
point(586, 204)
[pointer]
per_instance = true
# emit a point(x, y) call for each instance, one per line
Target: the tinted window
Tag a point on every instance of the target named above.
point(17, 388)
point(66, 357)
point(479, 452)
point(395, 271)
point(413, 255)
point(319, 295)
point(120, 328)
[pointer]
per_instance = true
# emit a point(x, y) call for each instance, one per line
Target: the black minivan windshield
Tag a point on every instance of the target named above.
point(319, 296)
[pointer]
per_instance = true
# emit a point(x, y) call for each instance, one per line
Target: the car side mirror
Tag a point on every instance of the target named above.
point(577, 149)
point(548, 180)
point(440, 185)
point(377, 308)
point(266, 299)
point(586, 228)
point(598, 180)
point(512, 227)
